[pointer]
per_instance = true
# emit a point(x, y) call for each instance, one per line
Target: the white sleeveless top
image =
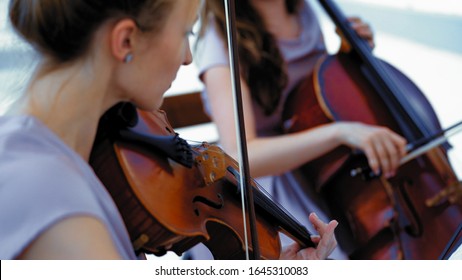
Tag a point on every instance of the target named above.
point(300, 55)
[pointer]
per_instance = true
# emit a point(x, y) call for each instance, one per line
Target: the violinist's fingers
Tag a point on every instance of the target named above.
point(315, 238)
point(291, 252)
point(326, 231)
point(327, 241)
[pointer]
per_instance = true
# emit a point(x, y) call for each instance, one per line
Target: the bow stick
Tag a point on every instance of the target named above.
point(248, 209)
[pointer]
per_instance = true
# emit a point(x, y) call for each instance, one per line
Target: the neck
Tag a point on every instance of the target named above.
point(270, 8)
point(277, 19)
point(70, 101)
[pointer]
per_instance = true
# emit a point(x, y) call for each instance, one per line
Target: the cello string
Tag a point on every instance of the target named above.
point(419, 147)
point(416, 144)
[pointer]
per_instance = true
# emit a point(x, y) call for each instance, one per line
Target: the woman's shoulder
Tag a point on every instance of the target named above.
point(308, 15)
point(36, 163)
point(40, 185)
point(29, 147)
point(210, 49)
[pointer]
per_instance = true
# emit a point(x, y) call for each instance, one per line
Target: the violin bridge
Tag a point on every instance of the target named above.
point(211, 162)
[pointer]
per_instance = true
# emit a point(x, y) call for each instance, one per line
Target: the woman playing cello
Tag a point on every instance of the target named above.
point(280, 42)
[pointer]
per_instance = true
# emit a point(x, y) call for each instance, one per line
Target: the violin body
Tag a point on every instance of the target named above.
point(169, 204)
point(411, 216)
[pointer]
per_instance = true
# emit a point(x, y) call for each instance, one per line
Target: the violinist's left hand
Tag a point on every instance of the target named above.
point(326, 243)
point(362, 29)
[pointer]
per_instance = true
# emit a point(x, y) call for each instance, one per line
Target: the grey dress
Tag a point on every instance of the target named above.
point(43, 181)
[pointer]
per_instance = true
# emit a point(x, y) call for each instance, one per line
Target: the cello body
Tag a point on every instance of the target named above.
point(410, 216)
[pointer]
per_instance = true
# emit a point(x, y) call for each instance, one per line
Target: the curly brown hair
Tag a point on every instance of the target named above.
point(261, 63)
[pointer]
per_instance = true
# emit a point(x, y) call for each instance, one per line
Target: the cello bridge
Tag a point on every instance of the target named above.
point(452, 194)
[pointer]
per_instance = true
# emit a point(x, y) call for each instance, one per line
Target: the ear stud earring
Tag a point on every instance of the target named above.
point(128, 58)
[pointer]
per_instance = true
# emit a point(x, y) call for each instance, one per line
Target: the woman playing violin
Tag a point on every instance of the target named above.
point(280, 42)
point(95, 54)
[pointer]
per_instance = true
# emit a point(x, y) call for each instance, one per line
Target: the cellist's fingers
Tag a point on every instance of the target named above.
point(383, 156)
point(400, 143)
point(363, 29)
point(394, 156)
point(381, 147)
point(372, 158)
point(389, 148)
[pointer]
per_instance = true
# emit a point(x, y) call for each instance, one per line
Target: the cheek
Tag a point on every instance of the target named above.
point(159, 73)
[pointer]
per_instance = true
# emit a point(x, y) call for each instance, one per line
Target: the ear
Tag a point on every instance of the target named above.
point(123, 38)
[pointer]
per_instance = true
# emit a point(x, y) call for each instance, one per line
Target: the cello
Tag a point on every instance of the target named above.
point(410, 216)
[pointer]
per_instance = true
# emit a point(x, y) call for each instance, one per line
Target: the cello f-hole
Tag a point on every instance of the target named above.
point(412, 223)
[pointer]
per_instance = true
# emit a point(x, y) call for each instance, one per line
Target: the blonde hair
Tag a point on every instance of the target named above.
point(63, 29)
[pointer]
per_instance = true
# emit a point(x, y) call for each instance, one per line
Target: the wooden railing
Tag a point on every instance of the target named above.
point(186, 114)
point(185, 110)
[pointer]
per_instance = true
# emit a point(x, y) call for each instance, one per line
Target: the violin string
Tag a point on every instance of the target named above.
point(277, 211)
point(263, 198)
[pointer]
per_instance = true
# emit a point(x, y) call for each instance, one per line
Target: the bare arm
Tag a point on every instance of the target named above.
point(80, 237)
point(278, 154)
point(270, 155)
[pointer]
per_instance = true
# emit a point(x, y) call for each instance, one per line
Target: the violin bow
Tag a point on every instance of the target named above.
point(248, 208)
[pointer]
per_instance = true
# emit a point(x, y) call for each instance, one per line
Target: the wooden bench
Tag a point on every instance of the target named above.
point(186, 115)
point(185, 109)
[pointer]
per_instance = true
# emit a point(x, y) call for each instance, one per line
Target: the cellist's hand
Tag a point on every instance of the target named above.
point(382, 147)
point(326, 243)
point(362, 29)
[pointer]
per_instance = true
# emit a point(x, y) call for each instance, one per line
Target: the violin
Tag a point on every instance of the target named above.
point(172, 196)
point(410, 216)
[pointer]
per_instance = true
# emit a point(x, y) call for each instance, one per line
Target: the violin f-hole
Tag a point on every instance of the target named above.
point(216, 205)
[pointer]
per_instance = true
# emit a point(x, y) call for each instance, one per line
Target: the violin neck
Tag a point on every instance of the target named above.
point(264, 205)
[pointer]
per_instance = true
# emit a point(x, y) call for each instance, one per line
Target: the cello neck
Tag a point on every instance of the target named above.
point(387, 87)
